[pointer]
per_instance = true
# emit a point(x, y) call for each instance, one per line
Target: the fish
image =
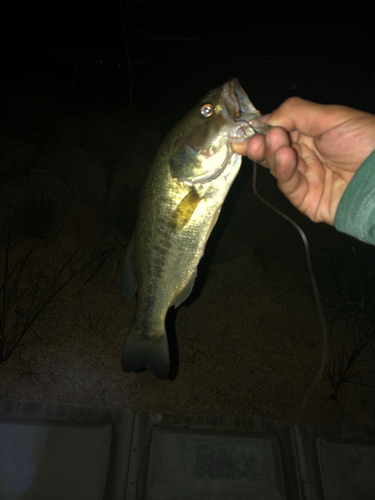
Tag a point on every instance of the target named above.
point(180, 203)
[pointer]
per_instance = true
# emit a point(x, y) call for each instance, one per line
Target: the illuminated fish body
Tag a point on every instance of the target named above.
point(180, 204)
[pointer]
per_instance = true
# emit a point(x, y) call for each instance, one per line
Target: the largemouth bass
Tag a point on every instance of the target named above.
point(180, 204)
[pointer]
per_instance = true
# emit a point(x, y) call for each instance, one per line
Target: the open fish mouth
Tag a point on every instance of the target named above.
point(242, 122)
point(242, 111)
point(236, 100)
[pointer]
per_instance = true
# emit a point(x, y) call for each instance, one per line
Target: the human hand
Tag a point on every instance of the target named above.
point(313, 150)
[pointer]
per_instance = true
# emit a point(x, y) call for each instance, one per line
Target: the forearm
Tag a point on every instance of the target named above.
point(356, 211)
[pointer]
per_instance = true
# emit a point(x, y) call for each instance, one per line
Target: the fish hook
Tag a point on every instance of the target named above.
point(249, 124)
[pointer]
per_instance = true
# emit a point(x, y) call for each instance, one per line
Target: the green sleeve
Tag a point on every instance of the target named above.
point(356, 211)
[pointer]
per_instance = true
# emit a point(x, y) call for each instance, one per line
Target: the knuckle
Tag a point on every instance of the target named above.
point(292, 102)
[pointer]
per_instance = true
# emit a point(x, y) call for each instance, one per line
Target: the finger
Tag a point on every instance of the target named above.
point(239, 148)
point(285, 168)
point(253, 148)
point(276, 138)
point(290, 179)
point(301, 164)
point(308, 117)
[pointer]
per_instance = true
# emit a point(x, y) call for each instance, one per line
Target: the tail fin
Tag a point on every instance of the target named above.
point(141, 351)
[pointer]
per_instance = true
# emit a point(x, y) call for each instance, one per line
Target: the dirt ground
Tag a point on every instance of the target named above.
point(248, 341)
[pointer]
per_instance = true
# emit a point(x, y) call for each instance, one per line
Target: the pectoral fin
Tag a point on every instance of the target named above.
point(184, 211)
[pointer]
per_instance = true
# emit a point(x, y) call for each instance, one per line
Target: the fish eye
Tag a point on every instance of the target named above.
point(207, 110)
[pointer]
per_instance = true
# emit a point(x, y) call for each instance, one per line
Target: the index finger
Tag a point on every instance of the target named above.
point(309, 118)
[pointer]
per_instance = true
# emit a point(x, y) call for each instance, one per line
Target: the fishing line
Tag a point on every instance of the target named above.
point(318, 301)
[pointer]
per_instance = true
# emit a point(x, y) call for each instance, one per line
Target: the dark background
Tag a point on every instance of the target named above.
point(87, 93)
point(162, 62)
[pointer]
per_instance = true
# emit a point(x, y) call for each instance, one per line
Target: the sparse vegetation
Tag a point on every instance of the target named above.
point(351, 311)
point(20, 158)
point(26, 291)
point(35, 217)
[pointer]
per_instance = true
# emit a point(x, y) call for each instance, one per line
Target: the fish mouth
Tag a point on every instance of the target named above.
point(237, 101)
point(242, 112)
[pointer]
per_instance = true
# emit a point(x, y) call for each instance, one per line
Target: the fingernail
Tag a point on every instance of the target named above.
point(247, 151)
point(276, 159)
point(264, 118)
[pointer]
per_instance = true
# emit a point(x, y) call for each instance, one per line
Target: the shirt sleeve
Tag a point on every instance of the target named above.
point(356, 211)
